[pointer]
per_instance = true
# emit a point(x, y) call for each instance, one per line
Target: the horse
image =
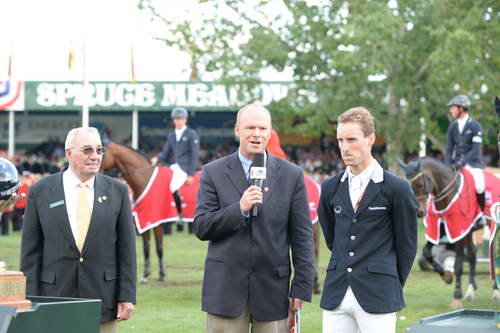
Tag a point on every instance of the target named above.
point(137, 171)
point(438, 185)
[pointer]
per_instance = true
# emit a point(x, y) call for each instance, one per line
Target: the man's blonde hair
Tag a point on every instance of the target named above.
point(361, 116)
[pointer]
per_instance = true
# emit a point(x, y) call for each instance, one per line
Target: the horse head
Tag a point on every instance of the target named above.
point(421, 188)
point(427, 176)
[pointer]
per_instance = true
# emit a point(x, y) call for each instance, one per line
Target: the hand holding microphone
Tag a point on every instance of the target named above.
point(257, 177)
point(252, 197)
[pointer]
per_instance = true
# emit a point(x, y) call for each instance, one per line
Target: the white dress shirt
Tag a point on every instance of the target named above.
point(179, 132)
point(358, 183)
point(461, 123)
point(71, 187)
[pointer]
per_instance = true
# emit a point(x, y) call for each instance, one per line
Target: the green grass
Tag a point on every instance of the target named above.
point(176, 306)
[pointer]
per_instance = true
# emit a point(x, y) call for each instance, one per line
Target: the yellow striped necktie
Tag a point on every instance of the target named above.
point(83, 215)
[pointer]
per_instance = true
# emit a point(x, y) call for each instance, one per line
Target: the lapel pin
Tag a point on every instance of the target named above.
point(99, 199)
point(104, 197)
point(266, 189)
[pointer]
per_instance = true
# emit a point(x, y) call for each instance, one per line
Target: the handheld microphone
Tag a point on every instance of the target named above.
point(257, 175)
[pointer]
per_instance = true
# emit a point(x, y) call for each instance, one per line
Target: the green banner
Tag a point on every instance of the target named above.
point(146, 96)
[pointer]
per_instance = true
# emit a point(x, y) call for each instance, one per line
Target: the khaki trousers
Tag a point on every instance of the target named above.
point(241, 324)
point(109, 327)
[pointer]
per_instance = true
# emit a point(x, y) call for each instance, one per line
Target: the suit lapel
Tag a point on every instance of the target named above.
point(99, 210)
point(61, 211)
point(342, 198)
point(235, 173)
point(371, 192)
point(272, 177)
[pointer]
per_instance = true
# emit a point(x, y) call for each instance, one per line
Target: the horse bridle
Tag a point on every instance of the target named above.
point(430, 185)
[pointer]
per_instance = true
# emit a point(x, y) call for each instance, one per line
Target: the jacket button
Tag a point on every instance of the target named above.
point(351, 254)
point(354, 220)
point(353, 237)
point(81, 259)
point(349, 269)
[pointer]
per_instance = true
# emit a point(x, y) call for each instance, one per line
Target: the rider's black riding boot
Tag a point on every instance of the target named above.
point(178, 205)
point(481, 202)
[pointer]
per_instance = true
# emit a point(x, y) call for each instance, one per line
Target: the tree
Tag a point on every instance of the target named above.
point(404, 60)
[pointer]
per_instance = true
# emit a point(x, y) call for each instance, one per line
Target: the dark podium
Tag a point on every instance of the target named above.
point(54, 315)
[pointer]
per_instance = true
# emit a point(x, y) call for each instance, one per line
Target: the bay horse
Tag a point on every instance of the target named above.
point(137, 171)
point(435, 183)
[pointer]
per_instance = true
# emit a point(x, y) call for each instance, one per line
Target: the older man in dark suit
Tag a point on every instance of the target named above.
point(369, 221)
point(78, 239)
point(248, 269)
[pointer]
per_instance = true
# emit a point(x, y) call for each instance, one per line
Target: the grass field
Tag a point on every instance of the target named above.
point(175, 307)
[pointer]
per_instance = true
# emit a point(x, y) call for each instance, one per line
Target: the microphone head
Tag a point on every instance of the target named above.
point(258, 160)
point(258, 171)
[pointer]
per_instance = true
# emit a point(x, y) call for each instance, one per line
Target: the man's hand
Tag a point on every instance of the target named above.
point(189, 180)
point(252, 196)
point(124, 311)
point(12, 200)
point(295, 305)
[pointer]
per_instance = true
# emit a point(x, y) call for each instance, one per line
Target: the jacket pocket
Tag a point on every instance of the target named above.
point(283, 271)
point(48, 277)
point(110, 274)
point(381, 268)
point(331, 265)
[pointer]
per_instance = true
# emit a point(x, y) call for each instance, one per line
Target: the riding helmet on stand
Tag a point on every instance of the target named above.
point(9, 179)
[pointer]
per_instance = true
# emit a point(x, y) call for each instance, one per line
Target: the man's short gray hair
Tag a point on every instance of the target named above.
point(72, 134)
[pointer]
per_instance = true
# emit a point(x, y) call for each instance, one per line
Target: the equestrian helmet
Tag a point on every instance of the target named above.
point(179, 113)
point(9, 179)
point(460, 100)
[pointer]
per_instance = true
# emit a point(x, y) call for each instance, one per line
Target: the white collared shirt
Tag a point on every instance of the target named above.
point(179, 132)
point(71, 187)
point(461, 123)
point(373, 172)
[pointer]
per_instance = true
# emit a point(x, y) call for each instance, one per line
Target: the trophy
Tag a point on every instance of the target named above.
point(13, 289)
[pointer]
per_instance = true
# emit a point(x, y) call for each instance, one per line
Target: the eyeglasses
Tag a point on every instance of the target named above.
point(90, 150)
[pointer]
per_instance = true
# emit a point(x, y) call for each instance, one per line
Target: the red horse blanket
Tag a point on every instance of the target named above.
point(157, 205)
point(463, 210)
point(313, 192)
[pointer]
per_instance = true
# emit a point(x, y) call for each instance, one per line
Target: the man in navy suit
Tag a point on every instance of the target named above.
point(464, 143)
point(248, 269)
point(369, 221)
point(181, 153)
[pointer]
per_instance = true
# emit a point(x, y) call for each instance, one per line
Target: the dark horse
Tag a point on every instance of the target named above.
point(136, 170)
point(429, 176)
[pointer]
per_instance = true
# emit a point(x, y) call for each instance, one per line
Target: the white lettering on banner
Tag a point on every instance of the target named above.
point(64, 91)
point(197, 95)
point(145, 95)
point(218, 97)
point(46, 96)
point(174, 94)
point(125, 94)
point(105, 89)
point(89, 92)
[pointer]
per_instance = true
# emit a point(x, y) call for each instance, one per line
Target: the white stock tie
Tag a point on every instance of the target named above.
point(355, 190)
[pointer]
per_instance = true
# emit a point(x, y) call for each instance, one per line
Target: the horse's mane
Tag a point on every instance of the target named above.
point(141, 153)
point(435, 164)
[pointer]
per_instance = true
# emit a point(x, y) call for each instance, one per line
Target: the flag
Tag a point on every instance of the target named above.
point(9, 69)
point(71, 58)
point(132, 65)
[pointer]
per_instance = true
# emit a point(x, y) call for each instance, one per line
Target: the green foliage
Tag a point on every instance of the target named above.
point(423, 52)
